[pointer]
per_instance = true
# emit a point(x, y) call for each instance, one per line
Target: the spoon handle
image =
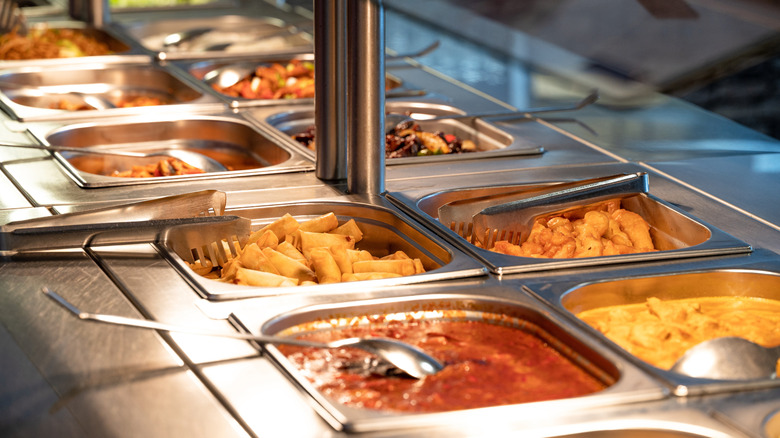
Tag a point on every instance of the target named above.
point(75, 149)
point(143, 323)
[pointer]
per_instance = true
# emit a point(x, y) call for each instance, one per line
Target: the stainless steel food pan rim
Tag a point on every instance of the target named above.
point(492, 141)
point(172, 83)
point(450, 263)
point(718, 242)
point(564, 291)
point(43, 130)
point(161, 24)
point(630, 386)
point(198, 69)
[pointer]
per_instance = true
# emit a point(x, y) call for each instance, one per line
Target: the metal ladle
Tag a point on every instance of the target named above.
point(729, 358)
point(200, 161)
point(407, 358)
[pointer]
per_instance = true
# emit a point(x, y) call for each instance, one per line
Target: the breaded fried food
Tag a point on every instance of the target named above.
point(594, 231)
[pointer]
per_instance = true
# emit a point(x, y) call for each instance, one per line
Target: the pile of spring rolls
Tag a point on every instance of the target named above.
point(318, 251)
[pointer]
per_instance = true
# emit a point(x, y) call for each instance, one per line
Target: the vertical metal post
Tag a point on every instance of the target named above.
point(330, 89)
point(366, 92)
point(96, 13)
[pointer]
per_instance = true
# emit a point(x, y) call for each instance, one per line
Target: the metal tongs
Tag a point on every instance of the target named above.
point(511, 215)
point(190, 224)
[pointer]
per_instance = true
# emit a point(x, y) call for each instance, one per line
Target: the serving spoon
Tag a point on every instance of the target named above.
point(200, 161)
point(393, 120)
point(729, 358)
point(407, 358)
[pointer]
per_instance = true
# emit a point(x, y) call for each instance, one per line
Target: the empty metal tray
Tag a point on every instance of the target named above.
point(245, 32)
point(224, 137)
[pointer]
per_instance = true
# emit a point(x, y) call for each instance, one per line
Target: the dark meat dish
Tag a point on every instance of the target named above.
point(407, 139)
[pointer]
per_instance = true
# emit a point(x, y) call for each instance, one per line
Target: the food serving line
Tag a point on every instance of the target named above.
point(79, 378)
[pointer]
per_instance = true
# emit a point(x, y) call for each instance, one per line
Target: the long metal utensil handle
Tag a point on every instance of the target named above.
point(595, 189)
point(76, 149)
point(82, 235)
point(589, 99)
point(195, 204)
point(143, 323)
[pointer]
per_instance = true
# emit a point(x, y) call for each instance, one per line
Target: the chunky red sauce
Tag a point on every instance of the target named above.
point(485, 365)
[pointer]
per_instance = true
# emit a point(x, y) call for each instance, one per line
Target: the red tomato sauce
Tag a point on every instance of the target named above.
point(485, 365)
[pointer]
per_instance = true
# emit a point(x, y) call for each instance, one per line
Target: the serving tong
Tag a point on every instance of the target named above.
point(193, 225)
point(510, 215)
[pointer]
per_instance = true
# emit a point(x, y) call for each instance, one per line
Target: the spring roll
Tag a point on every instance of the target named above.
point(280, 227)
point(289, 267)
point(349, 228)
point(324, 240)
point(325, 266)
point(253, 258)
point(291, 251)
point(249, 277)
point(321, 224)
point(341, 256)
point(400, 267)
point(359, 276)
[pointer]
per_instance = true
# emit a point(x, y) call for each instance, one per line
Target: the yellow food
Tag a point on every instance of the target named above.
point(659, 332)
point(605, 229)
point(319, 251)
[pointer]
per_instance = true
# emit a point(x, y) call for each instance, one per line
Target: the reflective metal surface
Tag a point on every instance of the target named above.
point(66, 377)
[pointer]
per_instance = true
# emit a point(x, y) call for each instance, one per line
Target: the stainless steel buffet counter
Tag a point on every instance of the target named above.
point(65, 377)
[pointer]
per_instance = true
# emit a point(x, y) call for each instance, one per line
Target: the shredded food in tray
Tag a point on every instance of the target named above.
point(485, 364)
point(661, 331)
point(601, 230)
point(166, 167)
point(46, 43)
point(407, 140)
point(318, 251)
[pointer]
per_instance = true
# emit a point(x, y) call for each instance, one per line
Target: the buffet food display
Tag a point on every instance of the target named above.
point(502, 345)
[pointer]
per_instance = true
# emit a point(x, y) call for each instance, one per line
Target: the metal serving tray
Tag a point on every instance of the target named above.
point(32, 93)
point(627, 385)
point(491, 141)
point(224, 136)
point(227, 28)
point(756, 275)
point(123, 50)
point(385, 229)
point(675, 233)
point(199, 69)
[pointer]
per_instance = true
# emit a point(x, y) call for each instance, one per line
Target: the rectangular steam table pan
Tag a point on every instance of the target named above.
point(385, 230)
point(226, 137)
point(626, 385)
point(675, 233)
